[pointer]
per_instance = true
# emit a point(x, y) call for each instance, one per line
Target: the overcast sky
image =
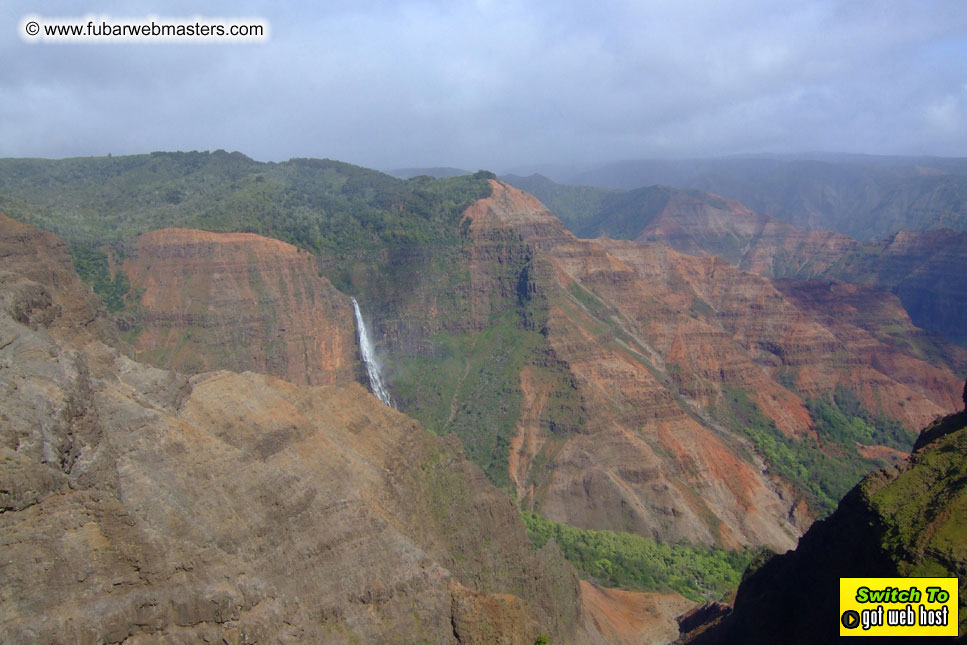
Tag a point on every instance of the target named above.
point(491, 84)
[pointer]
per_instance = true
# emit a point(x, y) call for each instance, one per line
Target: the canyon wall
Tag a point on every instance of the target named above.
point(655, 343)
point(236, 301)
point(142, 504)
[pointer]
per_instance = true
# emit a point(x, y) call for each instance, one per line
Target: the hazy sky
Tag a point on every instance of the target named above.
point(492, 84)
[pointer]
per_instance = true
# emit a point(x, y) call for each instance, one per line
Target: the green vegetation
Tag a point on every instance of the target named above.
point(923, 495)
point(326, 207)
point(471, 387)
point(624, 215)
point(845, 420)
point(924, 507)
point(578, 207)
point(590, 211)
point(635, 562)
point(396, 243)
point(91, 264)
point(821, 472)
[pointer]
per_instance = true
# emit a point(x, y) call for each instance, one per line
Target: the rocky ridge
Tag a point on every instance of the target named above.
point(636, 352)
point(920, 268)
point(655, 340)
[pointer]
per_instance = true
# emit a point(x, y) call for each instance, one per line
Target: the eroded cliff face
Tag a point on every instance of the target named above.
point(40, 289)
point(640, 462)
point(656, 342)
point(203, 301)
point(628, 617)
point(142, 505)
point(706, 224)
point(923, 269)
point(889, 362)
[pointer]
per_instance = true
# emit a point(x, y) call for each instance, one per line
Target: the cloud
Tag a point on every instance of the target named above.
point(494, 84)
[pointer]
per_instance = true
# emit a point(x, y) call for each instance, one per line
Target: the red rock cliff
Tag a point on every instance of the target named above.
point(654, 340)
point(238, 301)
point(142, 505)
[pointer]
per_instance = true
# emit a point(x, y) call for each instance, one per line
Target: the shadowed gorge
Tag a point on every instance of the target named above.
point(906, 520)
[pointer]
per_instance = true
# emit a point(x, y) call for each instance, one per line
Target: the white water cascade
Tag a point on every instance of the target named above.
point(369, 359)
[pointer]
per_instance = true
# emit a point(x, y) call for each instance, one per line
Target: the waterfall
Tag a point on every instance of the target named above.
point(369, 359)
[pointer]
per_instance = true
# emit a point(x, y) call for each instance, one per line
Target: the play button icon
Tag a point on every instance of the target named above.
point(850, 619)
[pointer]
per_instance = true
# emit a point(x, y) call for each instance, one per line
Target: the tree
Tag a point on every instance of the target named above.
point(965, 395)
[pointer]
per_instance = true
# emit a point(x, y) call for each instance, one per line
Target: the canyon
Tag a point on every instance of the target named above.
point(142, 504)
point(628, 370)
point(655, 341)
point(719, 378)
point(920, 267)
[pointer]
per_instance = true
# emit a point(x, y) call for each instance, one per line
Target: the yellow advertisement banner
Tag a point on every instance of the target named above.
point(898, 606)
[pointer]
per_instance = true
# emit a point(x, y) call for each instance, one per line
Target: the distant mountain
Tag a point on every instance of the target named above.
point(922, 269)
point(436, 173)
point(603, 383)
point(866, 197)
point(576, 206)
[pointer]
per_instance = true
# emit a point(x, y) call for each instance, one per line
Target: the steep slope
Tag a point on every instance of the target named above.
point(706, 224)
point(237, 301)
point(903, 521)
point(922, 269)
point(808, 348)
point(41, 288)
point(633, 617)
point(579, 207)
point(671, 357)
point(639, 462)
point(142, 505)
point(355, 220)
point(610, 384)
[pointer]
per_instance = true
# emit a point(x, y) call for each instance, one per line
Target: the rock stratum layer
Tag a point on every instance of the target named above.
point(616, 394)
point(923, 269)
point(142, 505)
point(237, 301)
point(655, 343)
